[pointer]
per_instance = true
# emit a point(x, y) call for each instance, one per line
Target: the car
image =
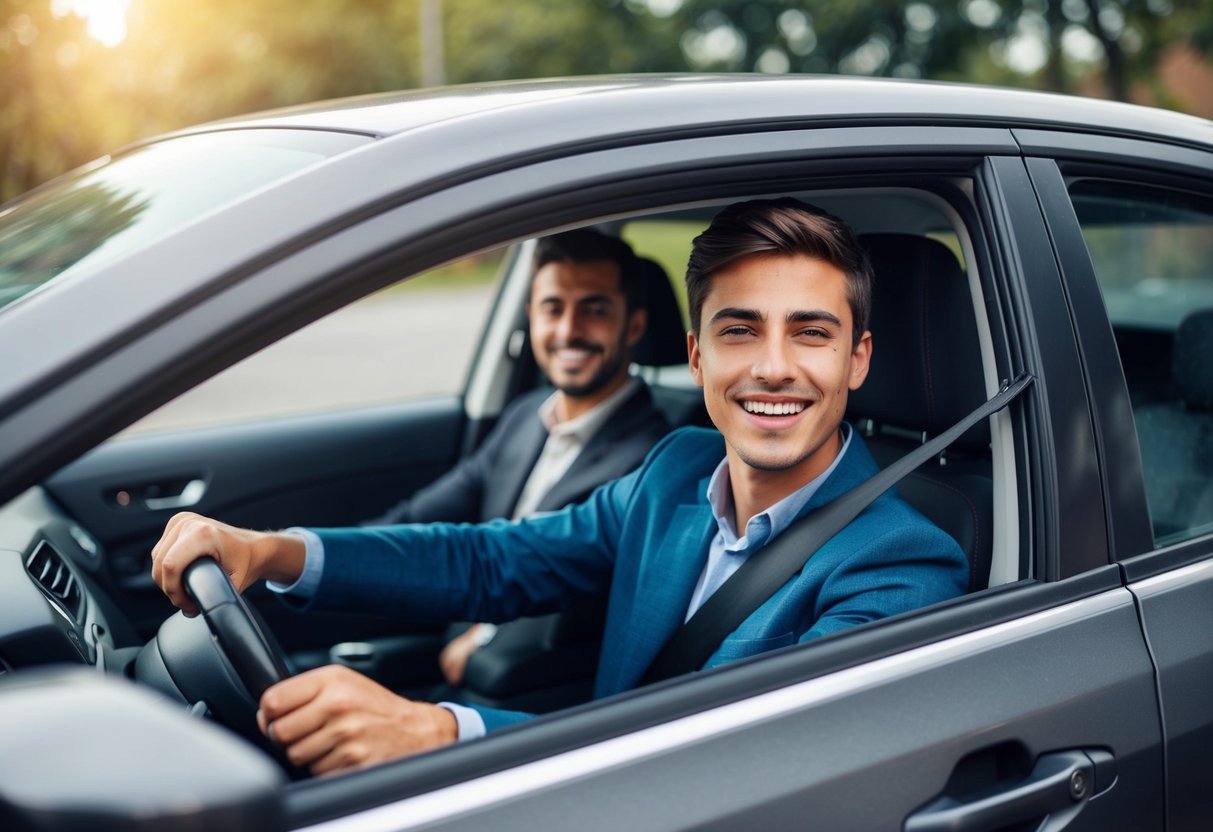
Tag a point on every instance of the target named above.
point(1063, 242)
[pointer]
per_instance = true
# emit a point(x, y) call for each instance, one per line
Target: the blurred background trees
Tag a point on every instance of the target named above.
point(81, 78)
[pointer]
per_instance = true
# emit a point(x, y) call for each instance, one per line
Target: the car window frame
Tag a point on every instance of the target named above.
point(1152, 165)
point(597, 721)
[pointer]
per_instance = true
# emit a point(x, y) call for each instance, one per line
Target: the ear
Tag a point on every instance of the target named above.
point(861, 359)
point(637, 322)
point(694, 358)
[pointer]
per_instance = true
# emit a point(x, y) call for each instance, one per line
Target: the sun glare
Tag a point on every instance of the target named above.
point(106, 18)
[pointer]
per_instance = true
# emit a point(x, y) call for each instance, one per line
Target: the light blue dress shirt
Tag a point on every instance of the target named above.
point(726, 553)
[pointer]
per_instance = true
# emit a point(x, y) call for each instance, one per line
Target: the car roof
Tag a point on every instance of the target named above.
point(676, 102)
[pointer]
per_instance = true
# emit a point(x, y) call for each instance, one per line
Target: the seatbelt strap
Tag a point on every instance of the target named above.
point(767, 570)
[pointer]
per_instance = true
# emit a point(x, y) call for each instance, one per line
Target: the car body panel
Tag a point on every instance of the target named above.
point(788, 757)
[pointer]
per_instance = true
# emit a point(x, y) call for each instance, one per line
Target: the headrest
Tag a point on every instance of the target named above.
point(1192, 360)
point(664, 342)
point(926, 371)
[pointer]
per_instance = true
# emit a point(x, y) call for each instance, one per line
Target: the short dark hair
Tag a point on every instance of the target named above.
point(780, 226)
point(586, 245)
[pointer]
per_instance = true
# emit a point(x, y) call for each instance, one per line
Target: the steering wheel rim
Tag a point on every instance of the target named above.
point(253, 656)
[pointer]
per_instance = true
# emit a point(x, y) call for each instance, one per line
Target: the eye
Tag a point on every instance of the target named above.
point(735, 331)
point(815, 333)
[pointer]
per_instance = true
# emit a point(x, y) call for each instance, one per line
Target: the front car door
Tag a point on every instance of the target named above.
point(1032, 699)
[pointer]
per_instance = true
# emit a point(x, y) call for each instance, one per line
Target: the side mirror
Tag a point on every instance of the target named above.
point(79, 750)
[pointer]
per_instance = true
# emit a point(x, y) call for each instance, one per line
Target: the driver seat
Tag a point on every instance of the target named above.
point(926, 375)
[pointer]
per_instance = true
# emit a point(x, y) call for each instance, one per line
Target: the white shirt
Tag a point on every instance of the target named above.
point(566, 440)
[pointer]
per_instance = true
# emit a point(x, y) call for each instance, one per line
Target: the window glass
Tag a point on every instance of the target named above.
point(413, 339)
point(86, 218)
point(1153, 255)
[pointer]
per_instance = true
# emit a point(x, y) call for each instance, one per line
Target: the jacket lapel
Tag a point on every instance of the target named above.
point(514, 471)
point(611, 441)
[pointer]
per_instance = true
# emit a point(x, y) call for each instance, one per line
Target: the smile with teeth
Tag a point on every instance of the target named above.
point(773, 408)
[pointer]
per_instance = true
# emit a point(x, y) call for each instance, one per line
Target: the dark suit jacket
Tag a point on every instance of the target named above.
point(646, 536)
point(487, 483)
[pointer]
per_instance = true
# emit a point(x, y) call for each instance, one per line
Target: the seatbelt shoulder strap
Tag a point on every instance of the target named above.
point(767, 570)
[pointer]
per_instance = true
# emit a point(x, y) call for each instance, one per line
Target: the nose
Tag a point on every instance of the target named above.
point(569, 325)
point(774, 365)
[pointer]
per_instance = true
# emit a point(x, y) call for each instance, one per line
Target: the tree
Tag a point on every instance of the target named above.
point(69, 99)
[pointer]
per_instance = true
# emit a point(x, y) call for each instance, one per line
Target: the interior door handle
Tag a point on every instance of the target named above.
point(188, 496)
point(176, 494)
point(1057, 789)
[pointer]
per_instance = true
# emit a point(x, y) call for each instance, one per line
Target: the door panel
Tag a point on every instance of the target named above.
point(331, 469)
point(863, 748)
point(1175, 609)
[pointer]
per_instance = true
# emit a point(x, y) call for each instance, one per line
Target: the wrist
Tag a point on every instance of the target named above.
point(278, 557)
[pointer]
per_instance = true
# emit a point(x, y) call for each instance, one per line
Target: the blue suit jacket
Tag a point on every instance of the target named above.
point(645, 536)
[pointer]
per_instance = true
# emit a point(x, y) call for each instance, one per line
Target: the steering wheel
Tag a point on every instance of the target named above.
point(253, 656)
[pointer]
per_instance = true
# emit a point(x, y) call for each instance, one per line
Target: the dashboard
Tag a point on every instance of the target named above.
point(51, 609)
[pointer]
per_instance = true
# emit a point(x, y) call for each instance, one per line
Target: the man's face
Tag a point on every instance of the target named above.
point(774, 357)
point(581, 331)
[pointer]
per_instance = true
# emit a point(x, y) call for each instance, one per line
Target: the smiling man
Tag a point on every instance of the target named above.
point(779, 295)
point(587, 309)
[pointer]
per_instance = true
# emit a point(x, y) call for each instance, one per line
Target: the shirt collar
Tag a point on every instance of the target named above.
point(583, 427)
point(765, 525)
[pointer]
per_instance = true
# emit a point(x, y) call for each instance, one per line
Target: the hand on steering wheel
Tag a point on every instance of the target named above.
point(252, 655)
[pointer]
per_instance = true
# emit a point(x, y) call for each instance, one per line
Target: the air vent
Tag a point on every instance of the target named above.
point(51, 572)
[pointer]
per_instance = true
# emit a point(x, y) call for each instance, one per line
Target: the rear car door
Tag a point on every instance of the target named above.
point(1139, 240)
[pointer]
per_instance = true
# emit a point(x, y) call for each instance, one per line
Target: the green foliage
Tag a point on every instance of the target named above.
point(68, 99)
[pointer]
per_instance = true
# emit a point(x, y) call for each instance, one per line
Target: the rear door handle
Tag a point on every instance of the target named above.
point(1057, 789)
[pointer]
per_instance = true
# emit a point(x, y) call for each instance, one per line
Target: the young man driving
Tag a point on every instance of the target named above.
point(779, 295)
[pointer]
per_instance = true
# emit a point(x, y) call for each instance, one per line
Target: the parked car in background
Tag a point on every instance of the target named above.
point(1013, 234)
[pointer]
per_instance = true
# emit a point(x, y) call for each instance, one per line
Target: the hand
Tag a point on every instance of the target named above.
point(334, 719)
point(454, 657)
point(246, 556)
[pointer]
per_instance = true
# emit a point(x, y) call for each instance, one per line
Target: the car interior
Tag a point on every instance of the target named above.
point(1151, 251)
point(929, 375)
point(933, 364)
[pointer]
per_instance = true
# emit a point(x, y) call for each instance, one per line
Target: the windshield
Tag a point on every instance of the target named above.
point(89, 217)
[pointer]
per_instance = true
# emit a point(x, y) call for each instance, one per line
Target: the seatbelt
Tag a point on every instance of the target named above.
point(767, 570)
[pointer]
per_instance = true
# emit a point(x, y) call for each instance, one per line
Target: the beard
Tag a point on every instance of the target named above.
point(607, 371)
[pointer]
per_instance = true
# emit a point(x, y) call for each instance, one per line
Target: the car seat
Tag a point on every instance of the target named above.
point(1176, 436)
point(926, 375)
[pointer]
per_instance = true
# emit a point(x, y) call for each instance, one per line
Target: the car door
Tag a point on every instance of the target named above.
point(1029, 701)
point(1139, 237)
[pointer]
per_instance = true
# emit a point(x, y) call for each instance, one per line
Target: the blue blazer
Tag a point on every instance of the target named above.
point(645, 536)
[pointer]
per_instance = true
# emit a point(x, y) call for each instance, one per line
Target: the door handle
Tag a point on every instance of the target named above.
point(177, 494)
point(1057, 789)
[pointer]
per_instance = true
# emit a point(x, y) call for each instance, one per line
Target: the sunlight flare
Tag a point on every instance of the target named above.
point(106, 18)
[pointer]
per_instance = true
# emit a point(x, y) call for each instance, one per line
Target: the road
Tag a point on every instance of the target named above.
point(387, 347)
